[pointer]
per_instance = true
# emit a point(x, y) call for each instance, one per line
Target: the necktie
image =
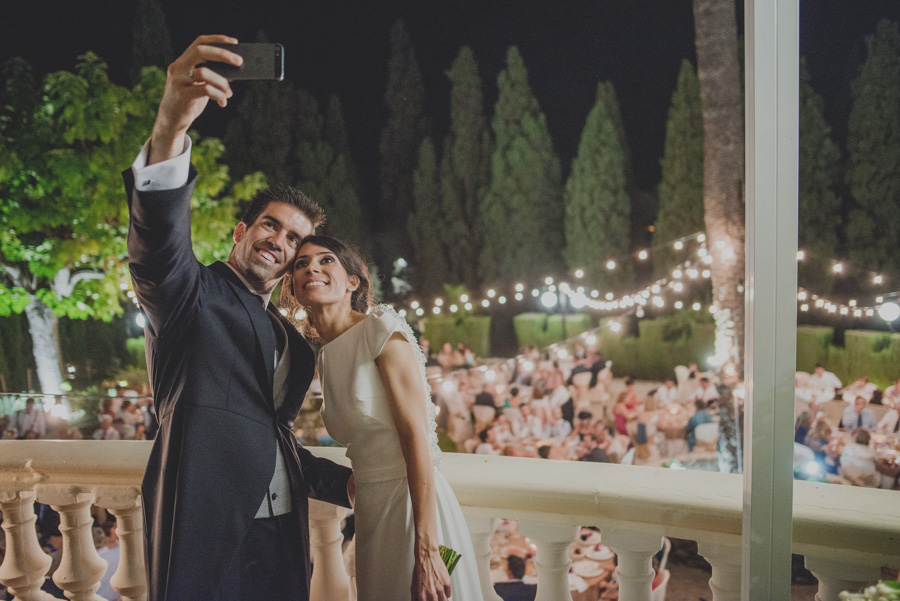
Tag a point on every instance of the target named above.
point(859, 421)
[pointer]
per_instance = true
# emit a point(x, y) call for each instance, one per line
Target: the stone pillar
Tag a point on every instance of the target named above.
point(635, 552)
point(836, 575)
point(480, 530)
point(329, 580)
point(130, 579)
point(25, 564)
point(81, 568)
point(552, 560)
point(726, 570)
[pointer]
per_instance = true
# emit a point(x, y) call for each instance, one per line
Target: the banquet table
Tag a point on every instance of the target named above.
point(887, 453)
point(672, 422)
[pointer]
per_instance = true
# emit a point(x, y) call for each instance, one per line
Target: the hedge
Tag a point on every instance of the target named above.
point(472, 331)
point(541, 329)
point(865, 353)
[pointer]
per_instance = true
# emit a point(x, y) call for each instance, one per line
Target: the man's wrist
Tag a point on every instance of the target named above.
point(165, 145)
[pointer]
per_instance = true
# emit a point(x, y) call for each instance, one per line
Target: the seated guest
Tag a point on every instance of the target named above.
point(540, 405)
point(858, 416)
point(584, 426)
point(106, 430)
point(512, 407)
point(817, 438)
point(860, 388)
point(801, 427)
point(561, 427)
point(825, 382)
point(625, 409)
point(554, 377)
point(30, 418)
point(701, 416)
point(590, 449)
point(666, 394)
point(131, 414)
point(488, 444)
point(445, 357)
point(530, 427)
point(706, 392)
point(483, 409)
point(889, 422)
point(858, 462)
point(891, 396)
point(514, 589)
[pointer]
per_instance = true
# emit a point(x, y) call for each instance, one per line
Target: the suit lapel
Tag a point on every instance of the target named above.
point(302, 364)
point(265, 336)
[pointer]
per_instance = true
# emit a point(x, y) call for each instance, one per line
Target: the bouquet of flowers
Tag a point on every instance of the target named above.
point(883, 591)
point(451, 558)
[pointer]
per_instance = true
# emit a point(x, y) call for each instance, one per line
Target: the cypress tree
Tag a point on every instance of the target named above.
point(522, 213)
point(681, 188)
point(425, 224)
point(345, 220)
point(404, 131)
point(873, 153)
point(465, 170)
point(820, 206)
point(151, 45)
point(596, 202)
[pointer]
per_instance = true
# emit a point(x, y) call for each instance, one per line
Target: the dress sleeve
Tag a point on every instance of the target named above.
point(381, 323)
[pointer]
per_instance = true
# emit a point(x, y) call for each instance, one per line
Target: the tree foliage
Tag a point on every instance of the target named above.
point(597, 207)
point(465, 170)
point(426, 224)
point(405, 129)
point(522, 211)
point(819, 178)
point(681, 188)
point(873, 154)
point(63, 215)
point(151, 44)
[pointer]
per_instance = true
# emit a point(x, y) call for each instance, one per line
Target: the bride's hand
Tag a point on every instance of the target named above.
point(431, 581)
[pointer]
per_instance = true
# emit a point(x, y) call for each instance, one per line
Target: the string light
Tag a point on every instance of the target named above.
point(679, 304)
point(801, 255)
point(548, 280)
point(838, 268)
point(677, 286)
point(804, 307)
point(610, 264)
point(485, 303)
point(877, 279)
point(701, 237)
point(436, 310)
point(678, 245)
point(414, 304)
point(643, 255)
point(468, 306)
point(519, 296)
point(520, 287)
point(420, 311)
point(463, 298)
point(595, 293)
point(438, 302)
point(491, 293)
point(454, 308)
point(695, 306)
point(579, 273)
point(502, 300)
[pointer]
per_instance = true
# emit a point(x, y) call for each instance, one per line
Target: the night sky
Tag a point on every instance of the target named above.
point(341, 46)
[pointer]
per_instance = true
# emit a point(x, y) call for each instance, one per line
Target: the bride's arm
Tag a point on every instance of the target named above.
point(402, 380)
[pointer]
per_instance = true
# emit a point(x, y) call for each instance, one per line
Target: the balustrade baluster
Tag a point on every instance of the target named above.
point(836, 575)
point(726, 569)
point(329, 579)
point(81, 568)
point(25, 564)
point(635, 552)
point(130, 579)
point(480, 530)
point(552, 560)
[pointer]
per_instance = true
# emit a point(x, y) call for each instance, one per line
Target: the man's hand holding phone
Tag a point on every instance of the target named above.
point(189, 86)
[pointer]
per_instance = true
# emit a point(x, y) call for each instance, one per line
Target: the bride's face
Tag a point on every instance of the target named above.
point(320, 278)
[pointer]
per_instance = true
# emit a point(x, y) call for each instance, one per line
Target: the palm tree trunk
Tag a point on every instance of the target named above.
point(723, 169)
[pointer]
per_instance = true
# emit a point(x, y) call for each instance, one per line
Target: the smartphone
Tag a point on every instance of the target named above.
point(261, 61)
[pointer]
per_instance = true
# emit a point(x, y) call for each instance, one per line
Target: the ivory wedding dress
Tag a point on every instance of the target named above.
point(357, 414)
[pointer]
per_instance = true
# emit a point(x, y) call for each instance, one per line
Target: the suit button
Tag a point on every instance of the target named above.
point(274, 496)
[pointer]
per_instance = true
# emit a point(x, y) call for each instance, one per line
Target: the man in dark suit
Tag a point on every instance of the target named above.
point(226, 488)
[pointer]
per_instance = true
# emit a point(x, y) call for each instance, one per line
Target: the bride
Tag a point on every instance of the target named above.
point(377, 404)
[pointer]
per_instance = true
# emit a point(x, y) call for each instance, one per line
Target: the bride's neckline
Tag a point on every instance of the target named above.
point(345, 331)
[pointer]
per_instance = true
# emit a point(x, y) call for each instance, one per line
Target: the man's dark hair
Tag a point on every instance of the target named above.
point(287, 195)
point(513, 391)
point(29, 400)
point(544, 451)
point(704, 379)
point(700, 405)
point(483, 435)
point(516, 566)
point(585, 415)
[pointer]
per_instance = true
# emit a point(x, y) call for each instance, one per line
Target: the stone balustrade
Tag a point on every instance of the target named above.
point(846, 534)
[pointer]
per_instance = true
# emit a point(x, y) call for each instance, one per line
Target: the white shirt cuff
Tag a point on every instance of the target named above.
point(166, 175)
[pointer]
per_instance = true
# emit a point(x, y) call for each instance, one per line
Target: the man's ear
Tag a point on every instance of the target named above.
point(239, 232)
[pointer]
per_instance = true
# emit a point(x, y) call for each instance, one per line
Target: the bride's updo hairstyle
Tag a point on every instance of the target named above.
point(361, 299)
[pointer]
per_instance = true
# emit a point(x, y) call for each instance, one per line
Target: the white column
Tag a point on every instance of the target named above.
point(726, 570)
point(772, 100)
point(130, 579)
point(552, 559)
point(81, 568)
point(836, 575)
point(635, 552)
point(329, 579)
point(25, 563)
point(480, 530)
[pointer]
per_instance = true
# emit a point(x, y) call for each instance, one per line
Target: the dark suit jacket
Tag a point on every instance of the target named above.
point(210, 354)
